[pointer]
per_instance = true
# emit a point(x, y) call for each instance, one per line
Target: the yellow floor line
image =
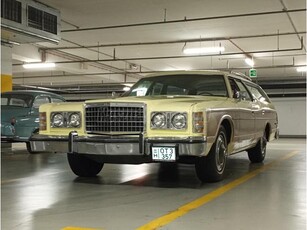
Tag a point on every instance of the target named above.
point(164, 220)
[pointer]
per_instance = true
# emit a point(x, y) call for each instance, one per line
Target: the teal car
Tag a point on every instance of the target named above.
point(20, 116)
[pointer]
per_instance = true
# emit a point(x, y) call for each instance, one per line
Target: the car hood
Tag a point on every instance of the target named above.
point(168, 102)
point(7, 112)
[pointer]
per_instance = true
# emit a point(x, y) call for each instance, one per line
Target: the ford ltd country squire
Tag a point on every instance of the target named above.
point(199, 117)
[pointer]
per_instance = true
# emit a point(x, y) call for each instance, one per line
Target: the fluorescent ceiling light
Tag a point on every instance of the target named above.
point(39, 65)
point(204, 50)
point(249, 61)
point(302, 69)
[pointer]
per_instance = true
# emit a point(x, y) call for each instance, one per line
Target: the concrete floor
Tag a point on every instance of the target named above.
point(39, 192)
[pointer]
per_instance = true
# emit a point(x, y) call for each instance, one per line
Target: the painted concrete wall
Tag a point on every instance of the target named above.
point(291, 115)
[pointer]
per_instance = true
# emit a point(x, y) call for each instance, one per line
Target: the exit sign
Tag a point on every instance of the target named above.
point(253, 73)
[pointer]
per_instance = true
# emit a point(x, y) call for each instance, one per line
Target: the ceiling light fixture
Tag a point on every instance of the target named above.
point(204, 50)
point(301, 69)
point(39, 65)
point(249, 61)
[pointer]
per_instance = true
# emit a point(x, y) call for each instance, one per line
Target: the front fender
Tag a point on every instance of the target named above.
point(7, 129)
point(24, 127)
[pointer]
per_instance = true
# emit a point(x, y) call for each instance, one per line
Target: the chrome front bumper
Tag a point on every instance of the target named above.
point(115, 145)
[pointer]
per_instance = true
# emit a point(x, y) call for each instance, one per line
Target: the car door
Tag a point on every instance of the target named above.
point(246, 112)
point(262, 115)
point(27, 124)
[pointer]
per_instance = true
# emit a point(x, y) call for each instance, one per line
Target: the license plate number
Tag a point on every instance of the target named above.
point(163, 153)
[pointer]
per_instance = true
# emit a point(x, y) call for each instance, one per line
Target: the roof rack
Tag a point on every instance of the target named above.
point(241, 75)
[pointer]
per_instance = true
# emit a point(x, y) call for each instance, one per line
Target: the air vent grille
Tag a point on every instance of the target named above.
point(11, 10)
point(41, 20)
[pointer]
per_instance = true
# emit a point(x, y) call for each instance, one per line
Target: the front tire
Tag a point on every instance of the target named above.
point(212, 167)
point(258, 153)
point(83, 166)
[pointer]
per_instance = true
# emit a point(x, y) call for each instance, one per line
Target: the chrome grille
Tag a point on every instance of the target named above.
point(115, 117)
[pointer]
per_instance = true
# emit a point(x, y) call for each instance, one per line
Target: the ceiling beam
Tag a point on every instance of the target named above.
point(175, 56)
point(176, 41)
point(185, 20)
point(153, 71)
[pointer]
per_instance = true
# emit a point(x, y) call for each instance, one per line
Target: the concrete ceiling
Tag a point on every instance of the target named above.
point(116, 41)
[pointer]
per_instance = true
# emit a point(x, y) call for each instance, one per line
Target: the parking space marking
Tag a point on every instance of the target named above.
point(166, 219)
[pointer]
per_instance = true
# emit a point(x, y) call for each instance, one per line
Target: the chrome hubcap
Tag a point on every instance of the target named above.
point(220, 153)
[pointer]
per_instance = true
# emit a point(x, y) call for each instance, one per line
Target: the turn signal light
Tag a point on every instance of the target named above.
point(198, 122)
point(42, 121)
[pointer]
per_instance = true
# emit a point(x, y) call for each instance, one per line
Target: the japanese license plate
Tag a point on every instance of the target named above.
point(163, 153)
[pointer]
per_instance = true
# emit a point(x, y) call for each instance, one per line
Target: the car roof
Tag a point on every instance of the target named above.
point(201, 72)
point(31, 92)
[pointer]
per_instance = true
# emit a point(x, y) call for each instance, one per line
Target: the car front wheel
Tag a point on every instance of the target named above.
point(211, 168)
point(83, 166)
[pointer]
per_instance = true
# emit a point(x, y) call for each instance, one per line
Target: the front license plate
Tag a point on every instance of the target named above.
point(163, 153)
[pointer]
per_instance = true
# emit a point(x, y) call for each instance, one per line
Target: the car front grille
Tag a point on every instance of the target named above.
point(115, 117)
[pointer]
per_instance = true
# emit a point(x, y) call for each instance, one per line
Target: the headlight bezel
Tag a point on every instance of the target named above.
point(66, 119)
point(169, 117)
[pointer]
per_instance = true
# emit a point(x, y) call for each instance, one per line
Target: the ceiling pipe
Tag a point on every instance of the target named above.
point(176, 57)
point(174, 41)
point(185, 20)
point(290, 19)
point(154, 71)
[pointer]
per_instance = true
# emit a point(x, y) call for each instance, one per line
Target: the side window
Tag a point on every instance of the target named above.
point(238, 86)
point(258, 93)
point(4, 100)
point(39, 100)
point(56, 100)
point(234, 87)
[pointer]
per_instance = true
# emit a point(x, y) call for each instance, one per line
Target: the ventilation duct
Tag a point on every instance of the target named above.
point(26, 21)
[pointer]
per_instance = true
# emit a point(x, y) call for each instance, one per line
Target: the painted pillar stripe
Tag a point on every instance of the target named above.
point(164, 220)
point(6, 83)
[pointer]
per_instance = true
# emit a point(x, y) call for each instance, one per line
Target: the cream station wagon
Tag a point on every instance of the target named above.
point(188, 116)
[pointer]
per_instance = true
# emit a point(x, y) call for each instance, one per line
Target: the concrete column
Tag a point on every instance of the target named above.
point(6, 69)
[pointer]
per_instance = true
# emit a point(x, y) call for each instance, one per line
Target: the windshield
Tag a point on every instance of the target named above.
point(207, 85)
point(19, 100)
